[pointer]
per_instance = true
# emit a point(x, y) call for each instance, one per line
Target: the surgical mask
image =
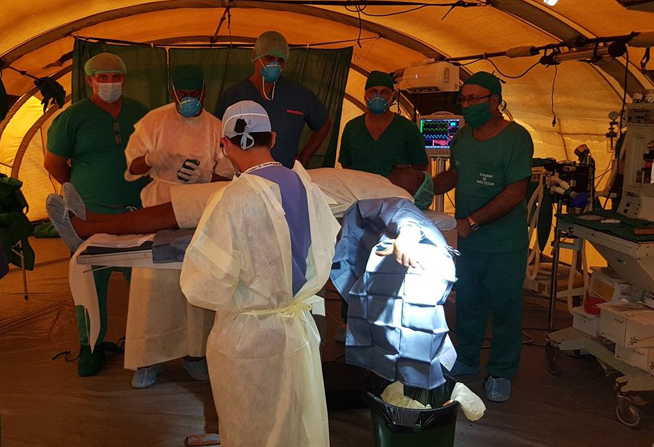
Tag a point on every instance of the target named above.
point(271, 72)
point(189, 106)
point(378, 105)
point(477, 115)
point(110, 91)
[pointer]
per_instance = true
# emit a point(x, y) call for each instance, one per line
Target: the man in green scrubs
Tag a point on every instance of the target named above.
point(86, 146)
point(385, 143)
point(491, 167)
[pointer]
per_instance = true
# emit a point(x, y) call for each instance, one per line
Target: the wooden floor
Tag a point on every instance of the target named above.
point(44, 403)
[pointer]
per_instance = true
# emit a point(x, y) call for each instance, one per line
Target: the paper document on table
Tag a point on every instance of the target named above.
point(122, 241)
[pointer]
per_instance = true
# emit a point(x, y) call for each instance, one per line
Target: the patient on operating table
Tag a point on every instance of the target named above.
point(343, 187)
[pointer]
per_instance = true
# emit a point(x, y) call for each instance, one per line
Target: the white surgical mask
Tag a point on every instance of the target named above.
point(110, 91)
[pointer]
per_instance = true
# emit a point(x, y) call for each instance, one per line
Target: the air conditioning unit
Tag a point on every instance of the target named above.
point(639, 5)
point(437, 76)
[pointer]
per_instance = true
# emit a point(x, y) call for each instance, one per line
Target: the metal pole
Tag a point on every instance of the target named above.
point(555, 271)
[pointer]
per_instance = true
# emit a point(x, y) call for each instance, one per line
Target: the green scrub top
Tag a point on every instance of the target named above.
point(484, 169)
point(400, 144)
point(95, 144)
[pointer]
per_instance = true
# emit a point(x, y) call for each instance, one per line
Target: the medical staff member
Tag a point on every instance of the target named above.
point(385, 143)
point(177, 143)
point(258, 256)
point(289, 105)
point(491, 167)
point(86, 146)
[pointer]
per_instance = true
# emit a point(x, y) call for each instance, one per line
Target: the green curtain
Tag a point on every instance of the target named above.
point(147, 71)
point(324, 72)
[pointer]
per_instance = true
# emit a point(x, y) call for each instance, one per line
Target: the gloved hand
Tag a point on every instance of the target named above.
point(405, 246)
point(189, 172)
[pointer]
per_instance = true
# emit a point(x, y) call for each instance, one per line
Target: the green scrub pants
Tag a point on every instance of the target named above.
point(490, 284)
point(101, 278)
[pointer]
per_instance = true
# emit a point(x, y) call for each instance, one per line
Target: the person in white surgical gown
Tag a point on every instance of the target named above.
point(263, 350)
point(175, 144)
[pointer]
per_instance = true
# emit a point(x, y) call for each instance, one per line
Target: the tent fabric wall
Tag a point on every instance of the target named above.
point(584, 94)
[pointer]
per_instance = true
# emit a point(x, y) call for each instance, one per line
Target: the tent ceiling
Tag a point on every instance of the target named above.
point(35, 34)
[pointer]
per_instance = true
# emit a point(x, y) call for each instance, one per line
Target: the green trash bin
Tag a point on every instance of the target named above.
point(404, 427)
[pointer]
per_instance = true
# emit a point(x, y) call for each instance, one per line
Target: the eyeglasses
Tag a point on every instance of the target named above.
point(117, 137)
point(472, 99)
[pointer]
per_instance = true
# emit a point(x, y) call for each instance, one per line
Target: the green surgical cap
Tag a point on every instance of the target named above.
point(487, 80)
point(379, 79)
point(104, 63)
point(271, 43)
point(188, 77)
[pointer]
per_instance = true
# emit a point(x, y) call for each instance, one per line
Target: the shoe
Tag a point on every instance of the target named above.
point(205, 439)
point(498, 389)
point(460, 369)
point(73, 200)
point(197, 369)
point(89, 363)
point(146, 377)
point(59, 217)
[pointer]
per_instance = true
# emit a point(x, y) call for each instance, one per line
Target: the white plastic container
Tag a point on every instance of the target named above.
point(613, 320)
point(639, 332)
point(641, 358)
point(585, 322)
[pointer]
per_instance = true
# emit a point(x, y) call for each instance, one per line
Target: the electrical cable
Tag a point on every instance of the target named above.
point(370, 14)
point(556, 72)
point(447, 194)
point(360, 29)
point(513, 76)
point(471, 62)
point(624, 94)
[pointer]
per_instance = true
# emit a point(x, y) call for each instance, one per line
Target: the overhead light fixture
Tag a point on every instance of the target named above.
point(550, 2)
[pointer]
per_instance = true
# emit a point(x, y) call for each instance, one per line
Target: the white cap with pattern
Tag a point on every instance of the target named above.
point(244, 118)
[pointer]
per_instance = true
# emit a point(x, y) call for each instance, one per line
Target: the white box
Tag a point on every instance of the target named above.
point(639, 357)
point(613, 320)
point(440, 75)
point(639, 332)
point(585, 322)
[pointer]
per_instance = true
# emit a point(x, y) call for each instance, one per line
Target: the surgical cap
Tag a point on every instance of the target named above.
point(487, 80)
point(244, 118)
point(188, 77)
point(379, 79)
point(271, 43)
point(104, 63)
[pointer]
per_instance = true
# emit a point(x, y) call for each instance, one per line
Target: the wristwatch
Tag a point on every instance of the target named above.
point(474, 226)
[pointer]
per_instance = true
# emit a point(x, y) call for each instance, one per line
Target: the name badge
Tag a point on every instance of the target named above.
point(486, 179)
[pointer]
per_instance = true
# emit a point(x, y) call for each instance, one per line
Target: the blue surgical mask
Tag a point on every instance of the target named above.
point(378, 105)
point(271, 72)
point(190, 107)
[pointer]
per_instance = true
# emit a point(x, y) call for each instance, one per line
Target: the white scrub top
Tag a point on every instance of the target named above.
point(169, 139)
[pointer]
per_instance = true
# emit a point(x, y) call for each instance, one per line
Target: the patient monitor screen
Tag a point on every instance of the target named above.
point(439, 133)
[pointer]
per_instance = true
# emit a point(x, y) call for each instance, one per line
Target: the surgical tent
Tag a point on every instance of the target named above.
point(562, 106)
